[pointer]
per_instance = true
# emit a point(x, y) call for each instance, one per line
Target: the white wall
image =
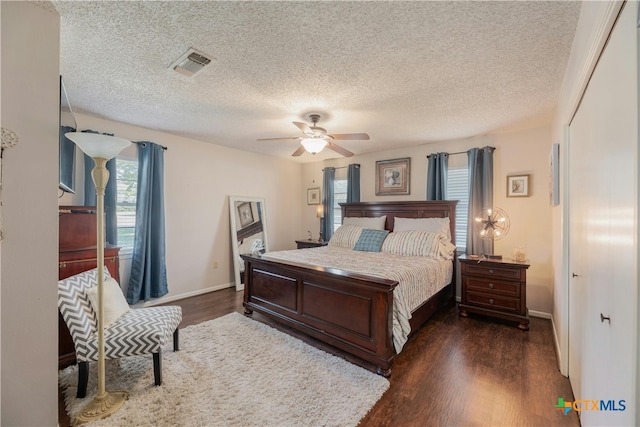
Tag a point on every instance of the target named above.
point(29, 258)
point(199, 177)
point(517, 152)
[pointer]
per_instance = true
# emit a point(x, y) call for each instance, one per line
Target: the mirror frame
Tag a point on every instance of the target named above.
point(233, 201)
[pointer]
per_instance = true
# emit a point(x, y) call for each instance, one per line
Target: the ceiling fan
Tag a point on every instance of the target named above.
point(316, 138)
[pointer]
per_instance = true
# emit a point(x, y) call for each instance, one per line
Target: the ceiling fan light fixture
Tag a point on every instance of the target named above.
point(314, 145)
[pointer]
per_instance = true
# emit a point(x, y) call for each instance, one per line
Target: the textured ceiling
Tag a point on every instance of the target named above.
point(407, 73)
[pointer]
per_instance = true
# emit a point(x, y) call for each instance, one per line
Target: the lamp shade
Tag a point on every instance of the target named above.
point(314, 145)
point(99, 146)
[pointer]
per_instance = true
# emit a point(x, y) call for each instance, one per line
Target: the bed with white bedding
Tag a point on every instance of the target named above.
point(362, 302)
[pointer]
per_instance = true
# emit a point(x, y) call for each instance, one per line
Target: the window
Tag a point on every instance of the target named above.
point(339, 196)
point(127, 182)
point(458, 189)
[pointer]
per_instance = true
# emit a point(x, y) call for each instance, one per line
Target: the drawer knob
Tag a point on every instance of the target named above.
point(491, 271)
point(491, 285)
point(491, 301)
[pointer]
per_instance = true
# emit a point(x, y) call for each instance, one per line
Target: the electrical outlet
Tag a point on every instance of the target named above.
point(215, 264)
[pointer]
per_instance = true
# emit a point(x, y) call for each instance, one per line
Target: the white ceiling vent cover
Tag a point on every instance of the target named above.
point(191, 63)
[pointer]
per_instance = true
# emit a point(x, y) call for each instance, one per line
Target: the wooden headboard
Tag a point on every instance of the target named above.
point(407, 209)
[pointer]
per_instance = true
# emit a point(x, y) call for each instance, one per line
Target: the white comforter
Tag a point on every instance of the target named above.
point(419, 278)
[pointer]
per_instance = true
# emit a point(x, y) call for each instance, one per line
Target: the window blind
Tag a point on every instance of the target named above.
point(458, 189)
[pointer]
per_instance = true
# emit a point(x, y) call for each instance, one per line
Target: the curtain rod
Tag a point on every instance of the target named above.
point(465, 152)
point(342, 167)
point(144, 142)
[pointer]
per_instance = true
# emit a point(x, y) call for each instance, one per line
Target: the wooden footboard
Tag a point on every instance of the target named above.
point(351, 312)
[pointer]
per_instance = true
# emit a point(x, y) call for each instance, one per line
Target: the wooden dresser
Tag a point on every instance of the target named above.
point(495, 287)
point(305, 244)
point(77, 253)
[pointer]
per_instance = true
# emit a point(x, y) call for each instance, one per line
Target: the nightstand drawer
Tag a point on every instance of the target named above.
point(493, 302)
point(493, 287)
point(490, 271)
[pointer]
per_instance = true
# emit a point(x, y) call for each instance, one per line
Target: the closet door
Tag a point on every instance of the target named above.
point(603, 250)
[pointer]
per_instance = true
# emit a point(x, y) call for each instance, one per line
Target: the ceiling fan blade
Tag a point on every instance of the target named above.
point(339, 149)
point(284, 138)
point(298, 152)
point(304, 128)
point(349, 136)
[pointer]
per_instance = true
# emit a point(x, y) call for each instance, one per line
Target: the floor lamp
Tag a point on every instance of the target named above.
point(100, 148)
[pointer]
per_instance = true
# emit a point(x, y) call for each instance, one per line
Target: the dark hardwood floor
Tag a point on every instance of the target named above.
point(453, 372)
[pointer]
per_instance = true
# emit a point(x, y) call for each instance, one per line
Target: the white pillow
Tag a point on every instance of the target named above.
point(432, 225)
point(114, 303)
point(375, 223)
point(345, 236)
point(447, 249)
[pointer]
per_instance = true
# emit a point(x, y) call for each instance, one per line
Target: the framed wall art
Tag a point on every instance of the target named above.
point(245, 214)
point(313, 196)
point(392, 176)
point(518, 186)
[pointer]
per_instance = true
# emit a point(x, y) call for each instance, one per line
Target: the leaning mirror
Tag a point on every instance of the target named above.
point(248, 231)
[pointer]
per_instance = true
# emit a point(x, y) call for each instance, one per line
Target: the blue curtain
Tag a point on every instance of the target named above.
point(110, 195)
point(437, 169)
point(148, 264)
point(353, 183)
point(480, 196)
point(328, 178)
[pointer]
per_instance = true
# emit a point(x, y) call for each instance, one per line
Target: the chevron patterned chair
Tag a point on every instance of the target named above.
point(136, 332)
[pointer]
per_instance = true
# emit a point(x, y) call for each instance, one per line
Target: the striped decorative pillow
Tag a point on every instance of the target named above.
point(413, 243)
point(345, 236)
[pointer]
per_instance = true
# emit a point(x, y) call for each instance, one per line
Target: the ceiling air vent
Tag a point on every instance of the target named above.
point(191, 63)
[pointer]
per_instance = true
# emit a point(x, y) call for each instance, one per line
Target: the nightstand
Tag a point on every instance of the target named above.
point(494, 287)
point(305, 244)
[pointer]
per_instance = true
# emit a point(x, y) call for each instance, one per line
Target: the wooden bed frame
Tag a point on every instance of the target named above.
point(352, 313)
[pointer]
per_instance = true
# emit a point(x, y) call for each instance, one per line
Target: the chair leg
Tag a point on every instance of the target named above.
point(157, 367)
point(83, 379)
point(176, 341)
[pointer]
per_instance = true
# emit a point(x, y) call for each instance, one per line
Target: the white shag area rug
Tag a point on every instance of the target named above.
point(234, 371)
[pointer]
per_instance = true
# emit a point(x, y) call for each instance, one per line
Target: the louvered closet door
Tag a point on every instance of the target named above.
point(603, 186)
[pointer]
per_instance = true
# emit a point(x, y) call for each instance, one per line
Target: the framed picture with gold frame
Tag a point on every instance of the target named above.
point(518, 185)
point(313, 196)
point(392, 176)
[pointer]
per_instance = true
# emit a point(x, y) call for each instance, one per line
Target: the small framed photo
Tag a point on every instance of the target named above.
point(392, 176)
point(313, 196)
point(245, 213)
point(518, 186)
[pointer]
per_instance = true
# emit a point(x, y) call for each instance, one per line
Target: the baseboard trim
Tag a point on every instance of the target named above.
point(540, 314)
point(172, 298)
